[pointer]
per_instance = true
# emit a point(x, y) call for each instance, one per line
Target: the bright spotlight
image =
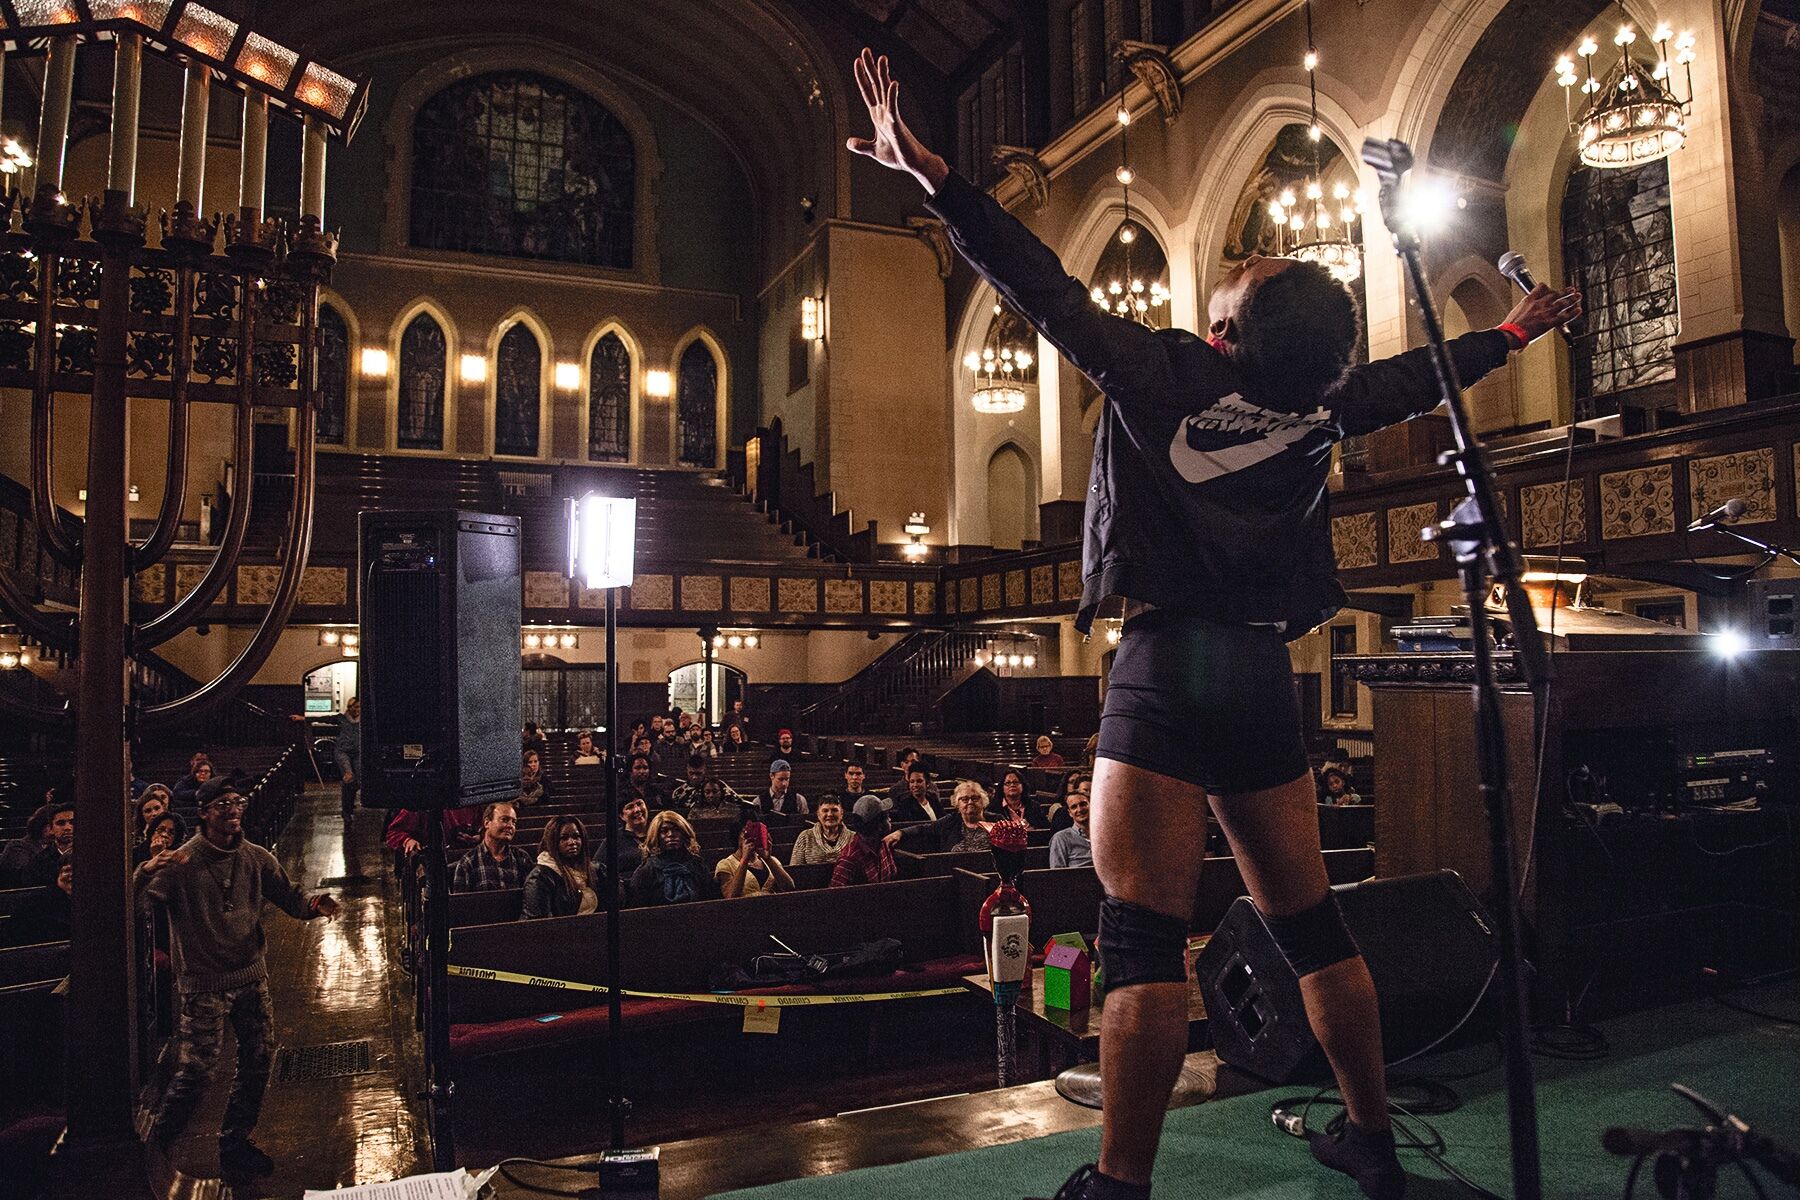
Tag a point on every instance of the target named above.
point(1428, 203)
point(1729, 643)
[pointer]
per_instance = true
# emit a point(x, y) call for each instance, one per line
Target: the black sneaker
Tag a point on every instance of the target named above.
point(1075, 1187)
point(242, 1158)
point(1366, 1156)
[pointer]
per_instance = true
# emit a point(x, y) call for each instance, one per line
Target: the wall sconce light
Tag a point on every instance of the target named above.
point(328, 637)
point(1112, 634)
point(658, 383)
point(347, 639)
point(568, 376)
point(374, 362)
point(533, 641)
point(915, 528)
point(811, 308)
point(9, 659)
point(474, 368)
point(735, 641)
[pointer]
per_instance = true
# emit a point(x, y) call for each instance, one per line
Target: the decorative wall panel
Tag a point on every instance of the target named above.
point(798, 595)
point(702, 593)
point(1068, 579)
point(256, 585)
point(844, 596)
point(1356, 540)
point(990, 592)
point(1542, 514)
point(547, 589)
point(887, 596)
point(1748, 475)
point(1015, 589)
point(749, 594)
point(1404, 543)
point(1043, 584)
point(147, 585)
point(586, 597)
point(9, 536)
point(1637, 503)
point(969, 594)
point(924, 597)
point(187, 578)
point(325, 586)
point(653, 592)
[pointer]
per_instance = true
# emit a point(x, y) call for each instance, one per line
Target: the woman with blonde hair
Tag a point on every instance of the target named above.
point(562, 883)
point(965, 829)
point(672, 873)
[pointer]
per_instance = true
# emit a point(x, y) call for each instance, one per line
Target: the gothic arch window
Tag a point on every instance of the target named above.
point(518, 392)
point(419, 423)
point(697, 405)
point(334, 376)
point(609, 400)
point(1619, 249)
point(519, 164)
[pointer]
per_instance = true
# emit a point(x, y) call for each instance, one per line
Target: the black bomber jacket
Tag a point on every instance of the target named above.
point(1200, 498)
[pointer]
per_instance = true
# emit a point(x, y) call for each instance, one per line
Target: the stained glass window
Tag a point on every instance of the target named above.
point(423, 365)
point(609, 400)
point(697, 406)
point(334, 376)
point(1619, 249)
point(521, 165)
point(518, 388)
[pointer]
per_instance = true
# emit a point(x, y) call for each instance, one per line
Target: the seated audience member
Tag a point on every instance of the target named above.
point(562, 884)
point(965, 829)
point(1076, 782)
point(668, 752)
point(17, 855)
point(856, 782)
point(532, 738)
point(672, 871)
point(1070, 847)
point(1338, 791)
point(406, 831)
point(1338, 757)
point(738, 719)
point(686, 796)
point(585, 754)
point(734, 740)
point(200, 769)
point(638, 729)
point(532, 788)
point(46, 915)
point(151, 804)
point(640, 786)
point(684, 721)
point(58, 844)
point(705, 743)
point(751, 870)
point(869, 858)
point(784, 745)
point(634, 827)
point(165, 833)
point(718, 800)
point(1047, 757)
point(908, 756)
point(827, 838)
point(494, 865)
point(644, 746)
point(1010, 803)
point(919, 802)
point(780, 804)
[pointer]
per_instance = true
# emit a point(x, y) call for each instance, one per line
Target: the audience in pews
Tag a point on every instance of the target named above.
point(686, 797)
point(1010, 802)
point(856, 782)
point(634, 828)
point(18, 855)
point(200, 769)
point(532, 738)
point(57, 843)
point(735, 741)
point(751, 870)
point(784, 745)
point(495, 865)
point(532, 787)
point(1334, 782)
point(151, 803)
point(705, 744)
point(668, 750)
point(918, 801)
point(406, 831)
point(562, 883)
point(348, 752)
point(826, 839)
point(869, 858)
point(779, 804)
point(739, 720)
point(1047, 758)
point(585, 754)
point(1075, 782)
point(640, 785)
point(162, 836)
point(717, 800)
point(908, 756)
point(672, 871)
point(965, 829)
point(1071, 847)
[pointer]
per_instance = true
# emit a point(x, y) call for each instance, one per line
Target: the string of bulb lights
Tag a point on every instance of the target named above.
point(1304, 227)
point(1130, 297)
point(1634, 116)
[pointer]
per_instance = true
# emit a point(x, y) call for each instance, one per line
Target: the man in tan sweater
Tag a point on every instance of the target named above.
point(213, 890)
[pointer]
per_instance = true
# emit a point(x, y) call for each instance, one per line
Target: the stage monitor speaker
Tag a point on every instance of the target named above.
point(1430, 946)
point(440, 658)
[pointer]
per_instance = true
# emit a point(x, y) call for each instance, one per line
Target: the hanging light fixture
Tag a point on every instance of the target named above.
point(1305, 224)
point(1130, 297)
point(1633, 116)
point(999, 373)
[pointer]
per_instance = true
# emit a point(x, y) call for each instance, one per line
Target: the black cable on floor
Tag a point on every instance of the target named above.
point(583, 1168)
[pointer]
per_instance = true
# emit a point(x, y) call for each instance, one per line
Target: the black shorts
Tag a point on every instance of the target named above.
point(1203, 702)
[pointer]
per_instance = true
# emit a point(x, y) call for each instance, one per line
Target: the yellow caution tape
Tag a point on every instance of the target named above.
point(732, 998)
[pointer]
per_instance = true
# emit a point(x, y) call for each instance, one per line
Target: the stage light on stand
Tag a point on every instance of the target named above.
point(1728, 643)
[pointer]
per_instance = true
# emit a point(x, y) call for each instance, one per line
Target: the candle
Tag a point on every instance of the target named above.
point(53, 127)
point(128, 72)
point(312, 172)
point(191, 177)
point(256, 153)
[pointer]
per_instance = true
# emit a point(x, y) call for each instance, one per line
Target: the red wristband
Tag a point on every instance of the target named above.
point(1516, 333)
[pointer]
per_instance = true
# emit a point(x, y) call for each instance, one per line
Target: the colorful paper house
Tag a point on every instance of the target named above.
point(1068, 975)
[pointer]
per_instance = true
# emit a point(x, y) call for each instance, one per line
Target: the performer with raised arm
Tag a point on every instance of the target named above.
point(1207, 512)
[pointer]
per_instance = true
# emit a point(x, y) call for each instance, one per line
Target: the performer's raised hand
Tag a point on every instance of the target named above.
point(894, 146)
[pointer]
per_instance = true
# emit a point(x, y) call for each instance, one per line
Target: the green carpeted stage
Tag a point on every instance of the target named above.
point(1229, 1150)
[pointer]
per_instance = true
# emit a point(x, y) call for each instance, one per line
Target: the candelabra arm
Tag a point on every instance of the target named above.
point(31, 620)
point(178, 616)
point(175, 473)
point(58, 537)
point(40, 715)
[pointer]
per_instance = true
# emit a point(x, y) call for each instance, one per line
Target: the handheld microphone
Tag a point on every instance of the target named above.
point(1731, 510)
point(1512, 265)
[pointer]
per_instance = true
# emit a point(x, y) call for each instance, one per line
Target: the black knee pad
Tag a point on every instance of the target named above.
point(1314, 939)
point(1140, 945)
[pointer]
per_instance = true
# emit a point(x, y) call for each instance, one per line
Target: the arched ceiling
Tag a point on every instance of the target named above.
point(1510, 61)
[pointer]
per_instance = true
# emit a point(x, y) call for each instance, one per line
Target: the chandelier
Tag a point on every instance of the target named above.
point(1304, 226)
point(1634, 116)
point(1130, 297)
point(1000, 373)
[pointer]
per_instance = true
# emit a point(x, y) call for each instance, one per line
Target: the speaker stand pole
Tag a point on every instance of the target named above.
point(438, 1086)
point(1477, 538)
point(617, 1106)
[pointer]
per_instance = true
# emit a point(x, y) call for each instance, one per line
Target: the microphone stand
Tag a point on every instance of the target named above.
point(1478, 541)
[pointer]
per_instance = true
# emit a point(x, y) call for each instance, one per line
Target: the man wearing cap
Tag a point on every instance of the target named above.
point(213, 892)
point(869, 858)
point(784, 744)
point(780, 805)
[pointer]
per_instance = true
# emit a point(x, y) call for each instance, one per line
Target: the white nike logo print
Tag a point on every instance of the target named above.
point(1233, 415)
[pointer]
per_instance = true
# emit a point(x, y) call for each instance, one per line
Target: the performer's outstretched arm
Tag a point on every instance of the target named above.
point(1112, 351)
